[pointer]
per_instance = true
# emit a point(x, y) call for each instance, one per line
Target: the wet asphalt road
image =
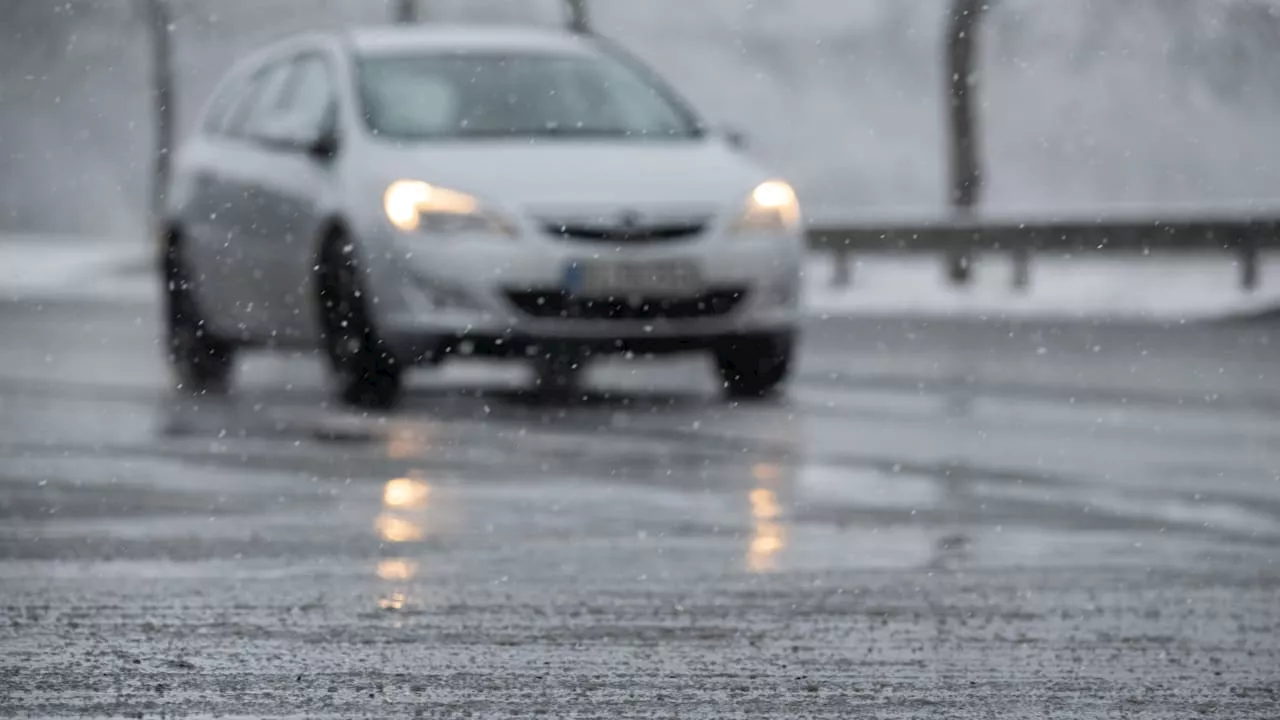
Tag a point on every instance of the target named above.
point(951, 519)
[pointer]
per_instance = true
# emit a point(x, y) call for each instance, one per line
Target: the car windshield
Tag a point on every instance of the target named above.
point(455, 95)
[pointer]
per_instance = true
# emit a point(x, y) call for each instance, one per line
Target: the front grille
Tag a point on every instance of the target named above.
point(647, 232)
point(559, 304)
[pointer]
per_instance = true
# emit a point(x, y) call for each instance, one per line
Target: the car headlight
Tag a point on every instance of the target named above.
point(772, 206)
point(416, 206)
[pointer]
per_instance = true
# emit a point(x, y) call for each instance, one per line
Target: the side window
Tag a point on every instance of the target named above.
point(215, 115)
point(257, 99)
point(306, 103)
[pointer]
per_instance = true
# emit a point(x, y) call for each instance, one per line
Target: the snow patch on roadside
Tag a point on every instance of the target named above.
point(46, 267)
point(1153, 288)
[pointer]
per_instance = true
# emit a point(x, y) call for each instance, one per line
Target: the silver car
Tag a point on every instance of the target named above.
point(398, 197)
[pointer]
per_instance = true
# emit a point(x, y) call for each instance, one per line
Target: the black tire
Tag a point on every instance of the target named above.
point(368, 375)
point(753, 366)
point(202, 362)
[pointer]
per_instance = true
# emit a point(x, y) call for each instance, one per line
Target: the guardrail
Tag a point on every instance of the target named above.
point(957, 240)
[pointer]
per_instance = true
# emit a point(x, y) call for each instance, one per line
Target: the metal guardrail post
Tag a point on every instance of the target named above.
point(406, 12)
point(842, 272)
point(578, 19)
point(959, 262)
point(964, 163)
point(1249, 260)
point(1021, 269)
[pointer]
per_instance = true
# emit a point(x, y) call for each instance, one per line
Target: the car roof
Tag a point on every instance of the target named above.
point(399, 39)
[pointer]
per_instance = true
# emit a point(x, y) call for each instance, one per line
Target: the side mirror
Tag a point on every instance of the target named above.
point(324, 146)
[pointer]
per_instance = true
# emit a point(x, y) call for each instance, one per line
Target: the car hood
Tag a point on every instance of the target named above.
point(578, 174)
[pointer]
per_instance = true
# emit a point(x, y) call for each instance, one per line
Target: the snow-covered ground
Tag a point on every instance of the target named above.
point(43, 266)
point(1156, 288)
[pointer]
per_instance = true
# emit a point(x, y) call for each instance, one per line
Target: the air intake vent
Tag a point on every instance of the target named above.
point(626, 232)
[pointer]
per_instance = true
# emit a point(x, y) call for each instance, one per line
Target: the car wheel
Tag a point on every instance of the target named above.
point(202, 362)
point(368, 375)
point(753, 366)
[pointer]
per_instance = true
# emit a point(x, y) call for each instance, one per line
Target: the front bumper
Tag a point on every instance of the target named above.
point(503, 297)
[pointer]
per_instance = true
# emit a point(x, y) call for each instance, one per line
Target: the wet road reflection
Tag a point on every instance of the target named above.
point(406, 441)
point(406, 494)
point(403, 519)
point(396, 572)
point(397, 529)
point(396, 569)
point(393, 601)
point(853, 528)
point(769, 535)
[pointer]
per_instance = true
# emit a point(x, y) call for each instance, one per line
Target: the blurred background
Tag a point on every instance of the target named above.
point(1049, 485)
point(1084, 105)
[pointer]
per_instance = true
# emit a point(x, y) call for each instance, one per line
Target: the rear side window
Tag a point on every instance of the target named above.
point(215, 116)
point(303, 107)
point(258, 98)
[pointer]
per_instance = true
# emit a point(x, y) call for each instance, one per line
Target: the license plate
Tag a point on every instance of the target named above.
point(613, 278)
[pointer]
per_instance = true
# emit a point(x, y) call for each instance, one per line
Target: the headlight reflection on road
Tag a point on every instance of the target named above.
point(406, 494)
point(399, 569)
point(396, 529)
point(405, 442)
point(764, 504)
point(766, 543)
point(766, 473)
point(769, 536)
point(404, 502)
point(394, 601)
point(395, 570)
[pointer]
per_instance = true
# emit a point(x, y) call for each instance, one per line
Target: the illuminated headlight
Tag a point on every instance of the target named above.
point(416, 206)
point(773, 206)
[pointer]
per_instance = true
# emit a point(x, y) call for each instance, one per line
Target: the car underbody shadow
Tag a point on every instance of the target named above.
point(313, 413)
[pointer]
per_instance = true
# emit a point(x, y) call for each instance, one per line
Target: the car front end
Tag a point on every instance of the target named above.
point(557, 199)
point(458, 276)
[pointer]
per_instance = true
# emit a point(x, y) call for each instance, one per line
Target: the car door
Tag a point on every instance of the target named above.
point(242, 210)
point(294, 179)
point(207, 212)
